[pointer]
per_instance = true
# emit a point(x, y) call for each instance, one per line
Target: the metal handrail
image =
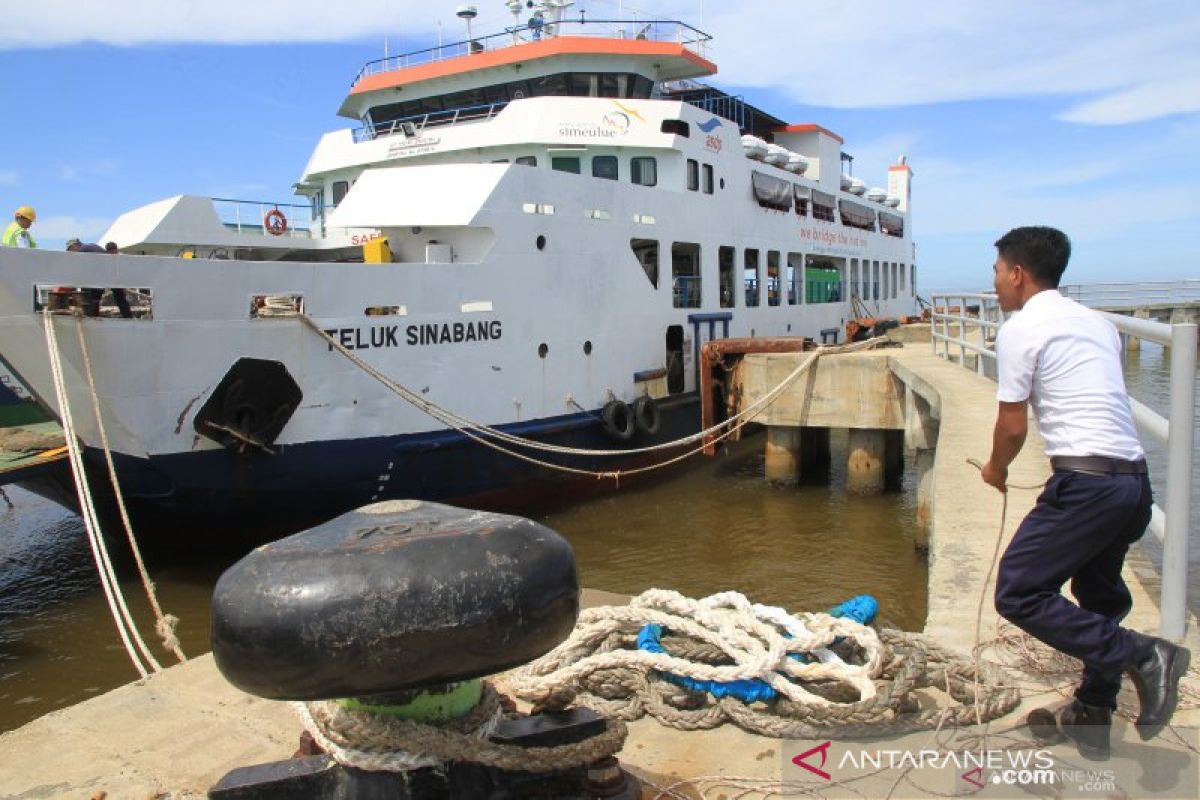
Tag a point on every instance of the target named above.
point(988, 322)
point(1176, 432)
point(1134, 295)
point(660, 30)
point(418, 122)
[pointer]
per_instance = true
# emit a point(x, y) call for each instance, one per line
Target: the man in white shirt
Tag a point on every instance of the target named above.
point(1064, 360)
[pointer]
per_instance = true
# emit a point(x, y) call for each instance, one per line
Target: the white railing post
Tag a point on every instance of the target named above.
point(1179, 481)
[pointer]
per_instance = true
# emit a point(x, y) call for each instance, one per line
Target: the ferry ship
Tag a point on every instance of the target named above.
point(534, 230)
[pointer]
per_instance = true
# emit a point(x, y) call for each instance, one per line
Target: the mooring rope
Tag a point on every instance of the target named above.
point(164, 624)
point(128, 632)
point(726, 638)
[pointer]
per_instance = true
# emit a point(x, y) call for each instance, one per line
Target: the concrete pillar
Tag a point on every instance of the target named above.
point(814, 452)
point(893, 458)
point(920, 426)
point(1183, 315)
point(783, 454)
point(864, 474)
point(924, 467)
point(1133, 342)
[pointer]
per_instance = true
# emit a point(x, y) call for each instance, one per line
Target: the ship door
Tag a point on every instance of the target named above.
point(675, 369)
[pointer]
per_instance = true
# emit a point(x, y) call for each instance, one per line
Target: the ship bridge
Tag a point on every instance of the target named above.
point(627, 59)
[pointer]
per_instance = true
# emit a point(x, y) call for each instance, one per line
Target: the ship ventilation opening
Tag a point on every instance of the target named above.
point(675, 371)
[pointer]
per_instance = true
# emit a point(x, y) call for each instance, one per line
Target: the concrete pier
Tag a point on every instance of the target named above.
point(865, 460)
point(783, 455)
point(180, 731)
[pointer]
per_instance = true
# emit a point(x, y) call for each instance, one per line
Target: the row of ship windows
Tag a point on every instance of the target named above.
point(800, 280)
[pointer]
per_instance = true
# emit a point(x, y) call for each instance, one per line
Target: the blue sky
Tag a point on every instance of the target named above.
point(1083, 114)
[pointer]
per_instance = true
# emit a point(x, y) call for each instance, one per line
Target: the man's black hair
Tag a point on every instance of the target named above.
point(1041, 251)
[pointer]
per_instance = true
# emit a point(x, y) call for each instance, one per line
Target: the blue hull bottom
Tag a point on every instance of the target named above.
point(217, 497)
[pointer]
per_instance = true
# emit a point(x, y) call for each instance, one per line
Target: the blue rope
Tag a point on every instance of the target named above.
point(862, 609)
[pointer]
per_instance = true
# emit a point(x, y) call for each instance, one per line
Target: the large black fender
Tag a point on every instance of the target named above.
point(250, 406)
point(646, 415)
point(617, 420)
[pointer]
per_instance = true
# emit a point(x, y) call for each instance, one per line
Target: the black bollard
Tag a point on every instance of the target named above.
point(394, 604)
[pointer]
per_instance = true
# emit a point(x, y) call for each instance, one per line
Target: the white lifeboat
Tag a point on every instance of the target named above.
point(846, 179)
point(891, 200)
point(777, 155)
point(856, 187)
point(754, 147)
point(876, 195)
point(796, 163)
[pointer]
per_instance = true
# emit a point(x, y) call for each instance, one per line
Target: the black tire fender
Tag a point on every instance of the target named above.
point(617, 420)
point(646, 415)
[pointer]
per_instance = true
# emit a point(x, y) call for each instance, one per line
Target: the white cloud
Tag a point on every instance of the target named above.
point(103, 168)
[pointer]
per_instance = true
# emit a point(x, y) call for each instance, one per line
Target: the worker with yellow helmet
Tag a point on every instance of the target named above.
point(17, 233)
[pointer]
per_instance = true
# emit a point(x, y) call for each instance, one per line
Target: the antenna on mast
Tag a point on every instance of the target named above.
point(468, 13)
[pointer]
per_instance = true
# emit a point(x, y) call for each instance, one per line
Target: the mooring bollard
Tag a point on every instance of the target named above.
point(387, 618)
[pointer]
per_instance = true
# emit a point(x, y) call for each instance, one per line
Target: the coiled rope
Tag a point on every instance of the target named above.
point(855, 681)
point(126, 627)
point(485, 434)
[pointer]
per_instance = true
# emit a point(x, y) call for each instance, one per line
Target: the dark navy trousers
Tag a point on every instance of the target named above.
point(1080, 530)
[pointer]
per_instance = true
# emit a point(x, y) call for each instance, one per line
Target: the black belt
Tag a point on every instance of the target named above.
point(1100, 465)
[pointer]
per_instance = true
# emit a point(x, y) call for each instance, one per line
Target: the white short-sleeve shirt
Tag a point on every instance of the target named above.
point(1065, 359)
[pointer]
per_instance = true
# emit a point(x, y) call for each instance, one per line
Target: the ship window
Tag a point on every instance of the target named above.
point(750, 276)
point(604, 167)
point(685, 275)
point(610, 86)
point(708, 179)
point(499, 160)
point(549, 85)
point(822, 205)
point(725, 257)
point(583, 84)
point(773, 293)
point(640, 87)
point(527, 161)
point(318, 204)
point(676, 126)
point(339, 191)
point(643, 170)
point(565, 164)
point(795, 270)
point(693, 175)
point(646, 253)
point(801, 195)
point(823, 279)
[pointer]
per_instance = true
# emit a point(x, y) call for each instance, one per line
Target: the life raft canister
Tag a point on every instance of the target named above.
point(617, 420)
point(646, 415)
point(275, 222)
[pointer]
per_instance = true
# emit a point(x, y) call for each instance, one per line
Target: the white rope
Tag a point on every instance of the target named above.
point(164, 623)
point(477, 430)
point(116, 603)
point(746, 635)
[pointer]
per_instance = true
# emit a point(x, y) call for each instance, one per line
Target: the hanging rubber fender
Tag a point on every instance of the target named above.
point(617, 420)
point(276, 222)
point(250, 406)
point(646, 415)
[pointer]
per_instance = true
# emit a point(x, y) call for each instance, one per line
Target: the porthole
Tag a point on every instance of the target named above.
point(722, 183)
point(543, 349)
point(541, 243)
point(587, 348)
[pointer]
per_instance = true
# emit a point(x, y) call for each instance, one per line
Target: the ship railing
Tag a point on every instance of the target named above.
point(951, 323)
point(1145, 294)
point(655, 30)
point(255, 217)
point(413, 125)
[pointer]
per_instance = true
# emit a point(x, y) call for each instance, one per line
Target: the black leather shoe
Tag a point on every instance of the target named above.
point(1088, 727)
point(1155, 671)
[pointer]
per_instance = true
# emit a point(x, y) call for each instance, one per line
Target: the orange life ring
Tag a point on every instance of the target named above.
point(275, 222)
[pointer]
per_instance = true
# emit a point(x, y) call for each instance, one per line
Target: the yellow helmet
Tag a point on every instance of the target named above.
point(27, 212)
